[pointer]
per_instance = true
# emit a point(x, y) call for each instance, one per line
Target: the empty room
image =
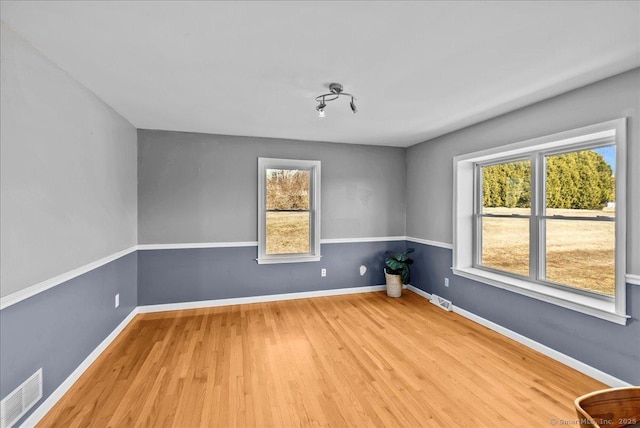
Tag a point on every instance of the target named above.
point(320, 213)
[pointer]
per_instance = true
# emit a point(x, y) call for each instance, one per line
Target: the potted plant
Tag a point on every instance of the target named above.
point(396, 271)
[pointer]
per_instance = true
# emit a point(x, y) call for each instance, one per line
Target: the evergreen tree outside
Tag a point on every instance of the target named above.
point(507, 185)
point(575, 180)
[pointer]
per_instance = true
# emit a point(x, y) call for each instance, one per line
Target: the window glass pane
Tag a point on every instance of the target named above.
point(582, 180)
point(506, 188)
point(288, 189)
point(505, 244)
point(288, 232)
point(581, 254)
point(287, 221)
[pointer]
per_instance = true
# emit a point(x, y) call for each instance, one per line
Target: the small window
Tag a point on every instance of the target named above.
point(288, 210)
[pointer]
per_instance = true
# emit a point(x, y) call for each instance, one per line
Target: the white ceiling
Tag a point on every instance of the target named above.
point(418, 69)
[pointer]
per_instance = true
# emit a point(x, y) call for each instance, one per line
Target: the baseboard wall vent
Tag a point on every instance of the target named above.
point(20, 400)
point(440, 302)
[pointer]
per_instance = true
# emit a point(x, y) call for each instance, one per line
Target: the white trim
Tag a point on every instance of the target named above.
point(56, 395)
point(24, 294)
point(230, 244)
point(189, 245)
point(292, 259)
point(18, 296)
point(568, 138)
point(258, 299)
point(545, 350)
point(419, 291)
point(428, 242)
point(564, 298)
point(314, 210)
point(536, 346)
point(632, 279)
point(370, 239)
point(31, 291)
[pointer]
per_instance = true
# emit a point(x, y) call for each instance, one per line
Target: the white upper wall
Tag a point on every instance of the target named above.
point(430, 164)
point(68, 173)
point(196, 188)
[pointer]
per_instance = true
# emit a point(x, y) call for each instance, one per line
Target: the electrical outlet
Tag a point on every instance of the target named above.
point(117, 303)
point(446, 282)
point(323, 272)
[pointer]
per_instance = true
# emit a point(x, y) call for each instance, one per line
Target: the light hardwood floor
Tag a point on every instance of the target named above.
point(343, 361)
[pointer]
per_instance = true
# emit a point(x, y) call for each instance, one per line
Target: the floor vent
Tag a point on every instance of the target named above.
point(18, 402)
point(442, 303)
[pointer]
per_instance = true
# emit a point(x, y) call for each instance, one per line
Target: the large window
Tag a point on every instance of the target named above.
point(569, 240)
point(545, 218)
point(288, 210)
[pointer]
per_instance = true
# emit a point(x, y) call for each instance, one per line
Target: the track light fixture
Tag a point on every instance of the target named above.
point(336, 92)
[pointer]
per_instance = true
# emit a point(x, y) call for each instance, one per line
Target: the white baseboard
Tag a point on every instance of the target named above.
point(257, 299)
point(56, 395)
point(52, 399)
point(536, 346)
point(419, 291)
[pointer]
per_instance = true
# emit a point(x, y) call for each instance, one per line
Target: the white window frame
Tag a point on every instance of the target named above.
point(465, 169)
point(314, 211)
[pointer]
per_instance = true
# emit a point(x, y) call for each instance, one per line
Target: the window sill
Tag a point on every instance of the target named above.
point(564, 298)
point(287, 259)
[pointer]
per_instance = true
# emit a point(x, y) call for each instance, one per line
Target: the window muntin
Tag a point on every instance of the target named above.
point(550, 218)
point(288, 210)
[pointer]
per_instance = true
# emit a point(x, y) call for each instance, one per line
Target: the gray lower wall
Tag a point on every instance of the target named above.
point(610, 347)
point(67, 171)
point(185, 275)
point(204, 188)
point(58, 328)
point(68, 197)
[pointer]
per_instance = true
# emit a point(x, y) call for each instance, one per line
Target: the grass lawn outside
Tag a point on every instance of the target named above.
point(579, 253)
point(288, 232)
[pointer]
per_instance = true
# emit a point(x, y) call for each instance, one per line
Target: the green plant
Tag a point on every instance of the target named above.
point(398, 263)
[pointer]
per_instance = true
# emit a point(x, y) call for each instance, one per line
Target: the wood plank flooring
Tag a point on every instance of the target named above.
point(342, 361)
